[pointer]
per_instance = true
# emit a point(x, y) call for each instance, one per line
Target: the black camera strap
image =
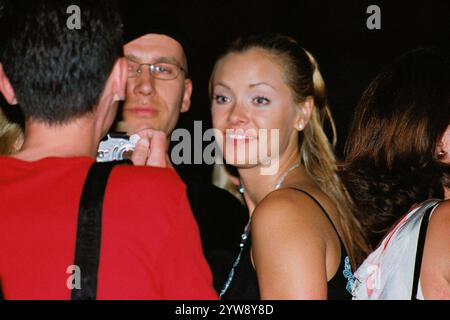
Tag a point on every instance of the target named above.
point(87, 250)
point(88, 242)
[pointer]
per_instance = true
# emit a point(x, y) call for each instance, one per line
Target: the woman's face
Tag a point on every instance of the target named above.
point(444, 147)
point(249, 94)
point(443, 151)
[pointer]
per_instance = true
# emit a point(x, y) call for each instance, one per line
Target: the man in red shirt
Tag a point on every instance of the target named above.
point(68, 83)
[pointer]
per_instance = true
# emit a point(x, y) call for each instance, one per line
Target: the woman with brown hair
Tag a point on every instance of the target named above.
point(395, 147)
point(301, 227)
point(396, 170)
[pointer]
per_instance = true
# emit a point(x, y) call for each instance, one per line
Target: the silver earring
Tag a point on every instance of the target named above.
point(300, 127)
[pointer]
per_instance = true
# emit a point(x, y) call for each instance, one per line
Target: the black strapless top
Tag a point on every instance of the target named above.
point(244, 285)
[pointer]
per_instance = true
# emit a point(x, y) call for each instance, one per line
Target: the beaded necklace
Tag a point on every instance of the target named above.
point(244, 236)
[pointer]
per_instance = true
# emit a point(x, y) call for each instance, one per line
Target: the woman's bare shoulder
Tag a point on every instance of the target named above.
point(435, 275)
point(287, 210)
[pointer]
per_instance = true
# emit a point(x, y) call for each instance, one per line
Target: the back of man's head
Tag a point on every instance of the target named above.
point(57, 71)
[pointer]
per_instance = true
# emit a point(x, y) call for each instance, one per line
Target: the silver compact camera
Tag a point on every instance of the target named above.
point(116, 147)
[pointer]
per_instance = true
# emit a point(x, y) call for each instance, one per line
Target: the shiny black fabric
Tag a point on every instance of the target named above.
point(245, 282)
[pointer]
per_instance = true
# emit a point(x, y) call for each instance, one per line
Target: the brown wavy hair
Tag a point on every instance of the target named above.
point(391, 161)
point(303, 77)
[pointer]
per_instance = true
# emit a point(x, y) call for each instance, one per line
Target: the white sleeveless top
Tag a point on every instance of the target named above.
point(388, 272)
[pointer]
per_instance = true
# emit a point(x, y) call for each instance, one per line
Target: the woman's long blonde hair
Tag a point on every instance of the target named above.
point(302, 75)
point(10, 136)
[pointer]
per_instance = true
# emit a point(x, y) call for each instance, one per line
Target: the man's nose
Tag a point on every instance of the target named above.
point(146, 82)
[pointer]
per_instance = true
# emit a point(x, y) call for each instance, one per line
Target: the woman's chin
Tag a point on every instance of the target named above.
point(242, 165)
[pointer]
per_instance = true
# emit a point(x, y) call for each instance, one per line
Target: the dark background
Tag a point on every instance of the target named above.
point(348, 53)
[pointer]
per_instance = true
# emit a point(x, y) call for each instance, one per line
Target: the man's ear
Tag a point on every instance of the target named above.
point(304, 111)
point(187, 95)
point(113, 92)
point(6, 88)
point(119, 79)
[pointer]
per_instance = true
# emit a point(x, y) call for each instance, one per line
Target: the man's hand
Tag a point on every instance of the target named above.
point(151, 150)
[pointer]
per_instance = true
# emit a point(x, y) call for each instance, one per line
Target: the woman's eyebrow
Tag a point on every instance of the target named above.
point(261, 84)
point(222, 85)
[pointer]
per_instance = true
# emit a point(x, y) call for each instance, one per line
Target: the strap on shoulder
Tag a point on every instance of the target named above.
point(87, 249)
point(321, 207)
point(420, 247)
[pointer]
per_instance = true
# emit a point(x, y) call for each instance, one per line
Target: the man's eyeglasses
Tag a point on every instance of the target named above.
point(159, 70)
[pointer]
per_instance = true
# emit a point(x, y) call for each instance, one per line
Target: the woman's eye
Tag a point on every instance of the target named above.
point(261, 101)
point(221, 99)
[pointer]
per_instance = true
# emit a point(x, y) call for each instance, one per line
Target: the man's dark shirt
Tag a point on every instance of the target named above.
point(221, 219)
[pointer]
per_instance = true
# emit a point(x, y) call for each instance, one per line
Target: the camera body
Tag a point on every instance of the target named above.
point(115, 146)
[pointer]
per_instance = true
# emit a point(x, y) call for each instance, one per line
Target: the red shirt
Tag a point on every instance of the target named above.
point(150, 245)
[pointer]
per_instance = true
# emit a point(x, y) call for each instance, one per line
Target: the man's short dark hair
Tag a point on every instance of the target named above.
point(58, 73)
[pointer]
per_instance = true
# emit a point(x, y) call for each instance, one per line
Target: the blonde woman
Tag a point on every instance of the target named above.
point(10, 136)
point(301, 228)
